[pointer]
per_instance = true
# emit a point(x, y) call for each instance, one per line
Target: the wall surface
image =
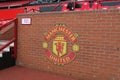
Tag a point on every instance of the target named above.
point(98, 39)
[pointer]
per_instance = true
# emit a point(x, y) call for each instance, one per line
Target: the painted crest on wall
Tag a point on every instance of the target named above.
point(57, 44)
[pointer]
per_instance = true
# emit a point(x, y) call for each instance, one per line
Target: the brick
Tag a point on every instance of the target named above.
point(99, 42)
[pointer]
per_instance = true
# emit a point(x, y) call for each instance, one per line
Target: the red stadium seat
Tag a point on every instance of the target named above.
point(32, 8)
point(85, 6)
point(64, 8)
point(96, 6)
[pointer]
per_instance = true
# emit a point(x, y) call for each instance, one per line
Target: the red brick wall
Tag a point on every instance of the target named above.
point(99, 41)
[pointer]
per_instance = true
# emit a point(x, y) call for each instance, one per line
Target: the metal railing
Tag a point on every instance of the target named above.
point(14, 39)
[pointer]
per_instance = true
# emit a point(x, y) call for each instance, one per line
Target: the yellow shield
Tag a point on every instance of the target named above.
point(59, 46)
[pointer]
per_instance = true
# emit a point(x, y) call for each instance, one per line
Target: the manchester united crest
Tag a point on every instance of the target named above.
point(58, 51)
point(59, 46)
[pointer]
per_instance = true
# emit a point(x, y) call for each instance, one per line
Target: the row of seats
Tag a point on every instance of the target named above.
point(6, 14)
point(86, 6)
